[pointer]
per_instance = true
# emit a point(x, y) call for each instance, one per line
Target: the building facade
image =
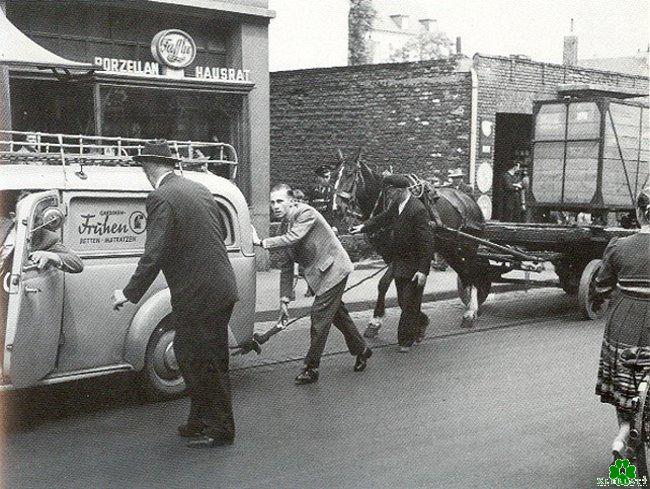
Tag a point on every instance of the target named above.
point(391, 33)
point(421, 118)
point(220, 92)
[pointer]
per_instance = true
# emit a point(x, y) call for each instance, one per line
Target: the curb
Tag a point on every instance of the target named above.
point(443, 295)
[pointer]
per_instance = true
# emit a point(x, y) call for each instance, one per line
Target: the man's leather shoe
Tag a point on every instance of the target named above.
point(307, 376)
point(422, 330)
point(362, 360)
point(206, 441)
point(190, 430)
point(404, 349)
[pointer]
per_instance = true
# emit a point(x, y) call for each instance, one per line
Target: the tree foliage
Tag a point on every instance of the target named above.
point(427, 45)
point(362, 15)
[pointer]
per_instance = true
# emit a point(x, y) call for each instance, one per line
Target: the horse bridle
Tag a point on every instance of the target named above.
point(350, 195)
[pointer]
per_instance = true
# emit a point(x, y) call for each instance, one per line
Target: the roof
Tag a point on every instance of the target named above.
point(16, 49)
point(103, 178)
point(599, 90)
point(632, 65)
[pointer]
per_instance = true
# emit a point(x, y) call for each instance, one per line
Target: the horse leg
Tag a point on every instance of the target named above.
point(380, 306)
point(471, 313)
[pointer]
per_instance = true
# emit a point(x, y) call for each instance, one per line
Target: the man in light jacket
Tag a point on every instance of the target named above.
point(309, 240)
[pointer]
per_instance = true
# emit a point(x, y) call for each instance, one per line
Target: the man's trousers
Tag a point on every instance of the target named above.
point(409, 297)
point(328, 308)
point(201, 349)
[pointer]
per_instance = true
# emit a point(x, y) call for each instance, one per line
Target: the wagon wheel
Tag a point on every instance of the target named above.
point(483, 287)
point(586, 292)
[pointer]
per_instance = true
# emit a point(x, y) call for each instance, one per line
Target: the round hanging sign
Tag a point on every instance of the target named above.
point(484, 177)
point(173, 48)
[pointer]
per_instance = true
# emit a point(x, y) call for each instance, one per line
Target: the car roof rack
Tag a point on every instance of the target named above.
point(66, 149)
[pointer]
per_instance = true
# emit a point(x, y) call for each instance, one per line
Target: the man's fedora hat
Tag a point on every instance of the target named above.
point(458, 172)
point(156, 151)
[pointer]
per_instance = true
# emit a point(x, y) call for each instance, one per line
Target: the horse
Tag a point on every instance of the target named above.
point(358, 193)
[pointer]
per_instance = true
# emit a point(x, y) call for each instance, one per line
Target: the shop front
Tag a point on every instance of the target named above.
point(187, 70)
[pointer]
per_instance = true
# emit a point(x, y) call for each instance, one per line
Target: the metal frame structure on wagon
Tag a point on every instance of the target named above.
point(575, 250)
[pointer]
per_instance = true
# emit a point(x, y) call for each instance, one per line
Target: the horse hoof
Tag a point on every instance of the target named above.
point(371, 332)
point(467, 322)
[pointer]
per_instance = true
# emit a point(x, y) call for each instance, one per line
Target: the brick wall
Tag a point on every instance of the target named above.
point(413, 116)
point(511, 85)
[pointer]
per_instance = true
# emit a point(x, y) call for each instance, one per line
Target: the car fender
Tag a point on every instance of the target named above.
point(143, 324)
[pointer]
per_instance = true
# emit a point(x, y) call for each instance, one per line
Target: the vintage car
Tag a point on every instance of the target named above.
point(61, 326)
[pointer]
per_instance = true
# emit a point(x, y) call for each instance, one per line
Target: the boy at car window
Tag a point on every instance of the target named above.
point(46, 248)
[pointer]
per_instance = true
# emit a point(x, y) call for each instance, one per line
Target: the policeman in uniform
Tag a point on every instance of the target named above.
point(321, 195)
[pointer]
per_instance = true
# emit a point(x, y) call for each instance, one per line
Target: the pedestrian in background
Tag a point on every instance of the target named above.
point(408, 219)
point(185, 240)
point(511, 194)
point(457, 177)
point(310, 241)
point(626, 267)
point(321, 195)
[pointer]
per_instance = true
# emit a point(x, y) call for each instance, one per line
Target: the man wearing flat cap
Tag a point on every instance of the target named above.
point(408, 219)
point(185, 240)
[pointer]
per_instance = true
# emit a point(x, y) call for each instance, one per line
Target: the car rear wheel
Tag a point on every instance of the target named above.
point(160, 379)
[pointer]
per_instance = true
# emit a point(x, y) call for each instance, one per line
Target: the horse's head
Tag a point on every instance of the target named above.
point(356, 187)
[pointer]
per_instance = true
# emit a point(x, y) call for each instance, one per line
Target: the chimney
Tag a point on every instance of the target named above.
point(459, 49)
point(429, 25)
point(401, 21)
point(570, 57)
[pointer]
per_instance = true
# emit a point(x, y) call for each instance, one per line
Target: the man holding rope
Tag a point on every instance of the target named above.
point(310, 241)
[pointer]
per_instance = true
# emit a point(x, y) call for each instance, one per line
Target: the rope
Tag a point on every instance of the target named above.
point(365, 279)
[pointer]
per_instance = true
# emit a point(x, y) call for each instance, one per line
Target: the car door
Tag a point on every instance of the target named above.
point(35, 302)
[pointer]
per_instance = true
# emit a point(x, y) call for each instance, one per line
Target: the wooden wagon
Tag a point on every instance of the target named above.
point(589, 155)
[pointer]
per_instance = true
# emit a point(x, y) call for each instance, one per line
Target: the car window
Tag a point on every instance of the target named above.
point(226, 224)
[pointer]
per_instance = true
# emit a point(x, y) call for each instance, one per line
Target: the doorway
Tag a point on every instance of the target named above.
point(511, 145)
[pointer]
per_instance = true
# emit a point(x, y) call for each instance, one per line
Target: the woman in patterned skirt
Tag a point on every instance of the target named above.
point(626, 267)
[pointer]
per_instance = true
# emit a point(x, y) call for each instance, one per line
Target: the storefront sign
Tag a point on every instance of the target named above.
point(128, 66)
point(222, 74)
point(173, 48)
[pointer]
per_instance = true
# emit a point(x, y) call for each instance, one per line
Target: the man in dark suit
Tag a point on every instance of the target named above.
point(309, 240)
point(511, 190)
point(185, 241)
point(408, 219)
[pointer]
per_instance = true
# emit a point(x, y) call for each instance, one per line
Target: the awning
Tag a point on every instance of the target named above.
point(18, 50)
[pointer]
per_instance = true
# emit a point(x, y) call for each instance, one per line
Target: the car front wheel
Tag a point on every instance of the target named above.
point(160, 379)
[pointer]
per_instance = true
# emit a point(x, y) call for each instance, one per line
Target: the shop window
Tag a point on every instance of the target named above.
point(170, 114)
point(52, 106)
